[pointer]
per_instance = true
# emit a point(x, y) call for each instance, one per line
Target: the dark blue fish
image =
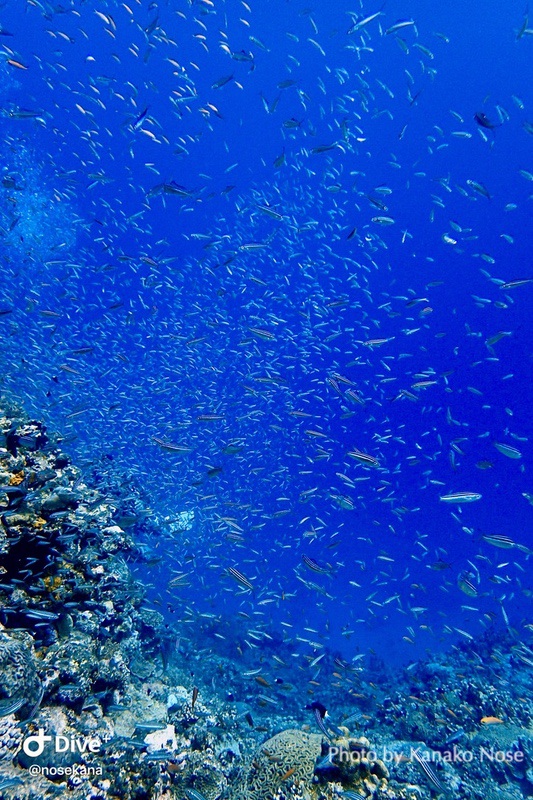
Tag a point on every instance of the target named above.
point(484, 121)
point(454, 737)
point(326, 762)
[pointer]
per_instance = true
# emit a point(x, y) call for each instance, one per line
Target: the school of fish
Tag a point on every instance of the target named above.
point(242, 267)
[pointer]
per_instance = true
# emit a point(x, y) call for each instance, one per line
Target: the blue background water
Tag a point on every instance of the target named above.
point(160, 287)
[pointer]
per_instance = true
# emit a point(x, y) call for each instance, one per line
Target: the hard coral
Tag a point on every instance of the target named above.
point(287, 756)
point(18, 674)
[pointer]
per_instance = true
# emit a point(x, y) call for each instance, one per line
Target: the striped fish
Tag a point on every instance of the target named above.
point(364, 458)
point(10, 705)
point(460, 497)
point(498, 540)
point(314, 566)
point(507, 450)
point(427, 769)
point(240, 578)
point(320, 722)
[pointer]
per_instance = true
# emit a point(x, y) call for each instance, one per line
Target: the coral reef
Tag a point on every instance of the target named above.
point(131, 710)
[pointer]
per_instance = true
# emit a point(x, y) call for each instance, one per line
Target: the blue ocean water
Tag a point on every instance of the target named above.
point(263, 267)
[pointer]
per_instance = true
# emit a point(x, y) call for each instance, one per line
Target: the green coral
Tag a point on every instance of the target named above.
point(290, 756)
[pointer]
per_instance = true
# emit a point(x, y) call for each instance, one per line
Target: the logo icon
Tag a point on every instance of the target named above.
point(33, 745)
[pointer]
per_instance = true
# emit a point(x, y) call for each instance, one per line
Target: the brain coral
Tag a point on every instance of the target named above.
point(290, 755)
point(10, 738)
point(18, 675)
